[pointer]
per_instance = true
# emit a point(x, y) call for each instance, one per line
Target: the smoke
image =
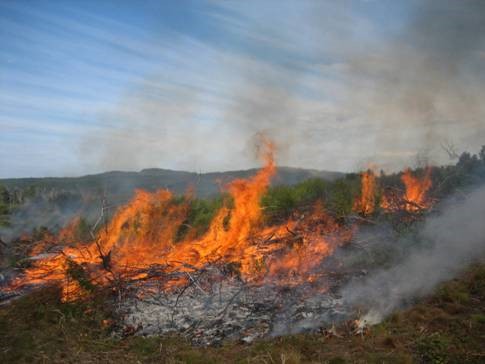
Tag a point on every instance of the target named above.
point(452, 240)
point(40, 212)
point(52, 209)
point(320, 92)
point(424, 84)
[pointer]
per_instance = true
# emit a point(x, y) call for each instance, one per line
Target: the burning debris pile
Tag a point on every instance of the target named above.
point(414, 199)
point(240, 279)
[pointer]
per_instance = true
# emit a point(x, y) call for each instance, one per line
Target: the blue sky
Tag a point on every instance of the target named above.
point(89, 86)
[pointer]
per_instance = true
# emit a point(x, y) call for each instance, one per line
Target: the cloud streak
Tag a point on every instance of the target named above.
point(336, 85)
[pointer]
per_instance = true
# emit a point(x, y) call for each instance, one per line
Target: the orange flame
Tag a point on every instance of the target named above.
point(231, 242)
point(416, 190)
point(316, 239)
point(143, 234)
point(415, 194)
point(365, 204)
point(144, 230)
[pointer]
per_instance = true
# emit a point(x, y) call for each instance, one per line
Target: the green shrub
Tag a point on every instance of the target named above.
point(478, 318)
point(4, 206)
point(40, 233)
point(342, 196)
point(77, 273)
point(281, 201)
point(83, 230)
point(201, 212)
point(455, 293)
point(433, 349)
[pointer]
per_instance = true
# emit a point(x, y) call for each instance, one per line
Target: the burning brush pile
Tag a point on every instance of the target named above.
point(242, 279)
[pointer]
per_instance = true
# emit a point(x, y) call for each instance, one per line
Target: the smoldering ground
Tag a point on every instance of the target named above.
point(448, 242)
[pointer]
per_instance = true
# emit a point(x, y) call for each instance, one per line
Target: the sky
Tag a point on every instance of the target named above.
point(90, 86)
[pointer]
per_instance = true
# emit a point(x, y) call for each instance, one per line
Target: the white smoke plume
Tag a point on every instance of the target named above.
point(451, 241)
point(381, 101)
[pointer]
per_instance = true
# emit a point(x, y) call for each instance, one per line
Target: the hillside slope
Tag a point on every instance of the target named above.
point(52, 202)
point(121, 184)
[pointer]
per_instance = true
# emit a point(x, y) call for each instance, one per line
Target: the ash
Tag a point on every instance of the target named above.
point(212, 307)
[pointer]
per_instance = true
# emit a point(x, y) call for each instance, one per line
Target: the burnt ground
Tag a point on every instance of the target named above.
point(447, 327)
point(208, 311)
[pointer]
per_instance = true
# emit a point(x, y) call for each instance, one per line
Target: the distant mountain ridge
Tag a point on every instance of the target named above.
point(122, 184)
point(53, 201)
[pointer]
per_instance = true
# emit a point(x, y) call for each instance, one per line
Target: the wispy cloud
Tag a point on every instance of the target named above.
point(335, 84)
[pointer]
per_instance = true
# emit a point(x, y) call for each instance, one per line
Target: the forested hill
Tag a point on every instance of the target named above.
point(26, 203)
point(121, 184)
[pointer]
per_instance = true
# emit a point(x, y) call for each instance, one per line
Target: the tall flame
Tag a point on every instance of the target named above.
point(144, 230)
point(365, 204)
point(143, 233)
point(415, 193)
point(416, 189)
point(231, 242)
point(143, 237)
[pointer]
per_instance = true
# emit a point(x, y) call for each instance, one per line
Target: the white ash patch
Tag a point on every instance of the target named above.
point(207, 313)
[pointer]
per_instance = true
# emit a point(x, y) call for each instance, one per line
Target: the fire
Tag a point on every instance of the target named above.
point(68, 232)
point(143, 233)
point(230, 241)
point(416, 190)
point(366, 203)
point(414, 197)
point(315, 238)
point(142, 238)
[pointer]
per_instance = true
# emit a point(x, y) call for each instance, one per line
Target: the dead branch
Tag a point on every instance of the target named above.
point(449, 149)
point(363, 219)
point(290, 231)
point(196, 284)
point(223, 312)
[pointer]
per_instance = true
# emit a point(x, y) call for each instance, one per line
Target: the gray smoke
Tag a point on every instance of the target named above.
point(40, 212)
point(382, 99)
point(425, 82)
point(451, 241)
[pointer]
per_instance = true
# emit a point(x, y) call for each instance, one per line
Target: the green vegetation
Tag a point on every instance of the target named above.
point(343, 195)
point(338, 196)
point(56, 198)
point(40, 233)
point(81, 231)
point(201, 212)
point(468, 170)
point(281, 201)
point(448, 327)
point(76, 272)
point(4, 206)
